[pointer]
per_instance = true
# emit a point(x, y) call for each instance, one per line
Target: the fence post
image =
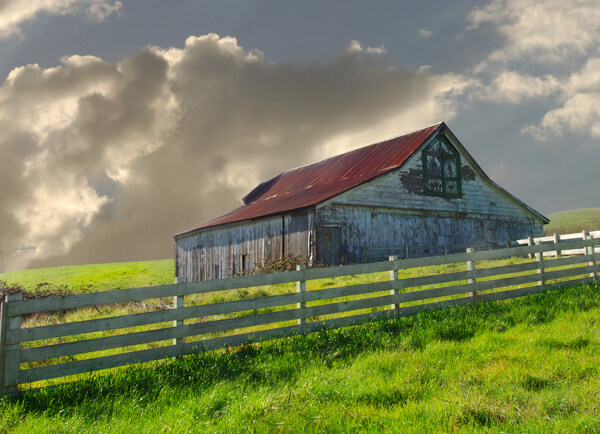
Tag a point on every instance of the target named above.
point(3, 327)
point(10, 354)
point(591, 252)
point(406, 252)
point(471, 267)
point(394, 277)
point(301, 288)
point(558, 252)
point(594, 258)
point(530, 243)
point(178, 303)
point(539, 257)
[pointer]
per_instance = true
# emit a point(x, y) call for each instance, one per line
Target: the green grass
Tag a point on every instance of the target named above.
point(568, 222)
point(528, 365)
point(101, 277)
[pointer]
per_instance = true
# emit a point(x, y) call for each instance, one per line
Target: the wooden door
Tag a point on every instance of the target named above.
point(329, 245)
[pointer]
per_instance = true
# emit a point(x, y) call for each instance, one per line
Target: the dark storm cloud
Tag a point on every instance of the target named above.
point(106, 161)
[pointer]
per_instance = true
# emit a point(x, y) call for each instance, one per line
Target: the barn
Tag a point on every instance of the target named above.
point(420, 189)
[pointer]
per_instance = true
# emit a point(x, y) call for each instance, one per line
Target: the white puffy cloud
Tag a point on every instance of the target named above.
point(105, 161)
point(514, 87)
point(549, 51)
point(14, 12)
point(541, 31)
point(579, 114)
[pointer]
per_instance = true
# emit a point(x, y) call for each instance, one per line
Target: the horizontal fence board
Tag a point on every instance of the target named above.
point(345, 291)
point(130, 339)
point(45, 332)
point(134, 320)
point(565, 261)
point(113, 361)
point(98, 344)
point(346, 306)
point(137, 294)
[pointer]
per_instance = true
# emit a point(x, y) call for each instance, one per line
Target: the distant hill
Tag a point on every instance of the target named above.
point(567, 222)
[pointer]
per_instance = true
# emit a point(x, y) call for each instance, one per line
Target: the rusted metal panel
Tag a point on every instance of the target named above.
point(311, 184)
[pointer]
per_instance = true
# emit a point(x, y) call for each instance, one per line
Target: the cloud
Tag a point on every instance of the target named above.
point(551, 31)
point(105, 161)
point(356, 47)
point(15, 12)
point(514, 87)
point(549, 52)
point(579, 114)
point(425, 33)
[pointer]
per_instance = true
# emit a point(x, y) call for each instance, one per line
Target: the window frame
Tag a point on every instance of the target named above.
point(444, 142)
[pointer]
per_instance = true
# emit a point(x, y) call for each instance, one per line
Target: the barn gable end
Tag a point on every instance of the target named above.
point(394, 210)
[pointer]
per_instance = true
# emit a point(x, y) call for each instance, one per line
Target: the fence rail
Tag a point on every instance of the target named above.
point(372, 254)
point(558, 239)
point(30, 353)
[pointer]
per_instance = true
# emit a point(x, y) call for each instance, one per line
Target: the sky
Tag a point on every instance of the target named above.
point(125, 122)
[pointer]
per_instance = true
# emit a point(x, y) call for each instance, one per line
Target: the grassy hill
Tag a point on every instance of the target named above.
point(96, 277)
point(568, 222)
point(527, 365)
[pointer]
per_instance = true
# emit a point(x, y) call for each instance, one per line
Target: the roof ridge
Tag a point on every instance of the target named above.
point(361, 147)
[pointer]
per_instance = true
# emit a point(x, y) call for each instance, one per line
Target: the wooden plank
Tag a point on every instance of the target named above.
point(130, 339)
point(301, 290)
point(137, 294)
point(253, 320)
point(72, 368)
point(539, 258)
point(394, 279)
point(12, 352)
point(471, 268)
point(346, 306)
point(133, 320)
point(345, 291)
point(3, 327)
point(106, 362)
point(564, 261)
point(46, 332)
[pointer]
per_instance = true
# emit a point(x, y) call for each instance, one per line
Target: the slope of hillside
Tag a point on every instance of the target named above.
point(528, 365)
point(568, 222)
point(96, 277)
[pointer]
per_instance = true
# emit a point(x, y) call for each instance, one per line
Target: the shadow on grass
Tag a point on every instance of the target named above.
point(280, 362)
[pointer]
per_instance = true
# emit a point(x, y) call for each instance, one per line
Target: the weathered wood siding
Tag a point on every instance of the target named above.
point(226, 251)
point(393, 211)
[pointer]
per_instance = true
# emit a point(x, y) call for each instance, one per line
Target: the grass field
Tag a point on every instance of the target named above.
point(569, 222)
point(528, 365)
point(97, 277)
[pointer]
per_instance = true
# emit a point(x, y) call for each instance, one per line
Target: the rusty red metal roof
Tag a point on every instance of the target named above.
point(314, 183)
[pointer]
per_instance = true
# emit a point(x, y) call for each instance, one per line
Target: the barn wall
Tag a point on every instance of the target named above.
point(233, 249)
point(393, 211)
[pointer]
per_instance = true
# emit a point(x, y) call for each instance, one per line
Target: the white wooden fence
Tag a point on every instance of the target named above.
point(35, 353)
point(558, 239)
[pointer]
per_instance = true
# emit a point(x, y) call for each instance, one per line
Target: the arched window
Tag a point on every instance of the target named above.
point(441, 169)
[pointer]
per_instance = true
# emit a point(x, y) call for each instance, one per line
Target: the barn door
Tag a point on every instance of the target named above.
point(329, 245)
point(297, 235)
